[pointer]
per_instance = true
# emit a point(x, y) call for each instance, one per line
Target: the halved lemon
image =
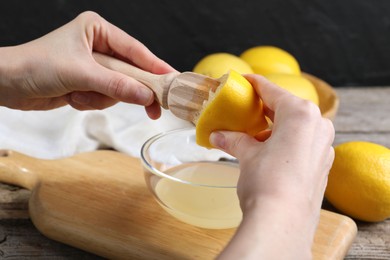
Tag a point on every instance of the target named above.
point(234, 106)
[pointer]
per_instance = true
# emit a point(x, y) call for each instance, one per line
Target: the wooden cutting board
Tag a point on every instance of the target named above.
point(99, 202)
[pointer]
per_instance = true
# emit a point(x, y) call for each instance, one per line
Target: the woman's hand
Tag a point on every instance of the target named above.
point(283, 177)
point(58, 69)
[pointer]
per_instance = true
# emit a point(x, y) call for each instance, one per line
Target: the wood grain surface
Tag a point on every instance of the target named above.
point(363, 115)
point(98, 202)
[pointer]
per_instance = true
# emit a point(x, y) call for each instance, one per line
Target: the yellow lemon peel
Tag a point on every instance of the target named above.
point(215, 65)
point(266, 60)
point(359, 181)
point(234, 106)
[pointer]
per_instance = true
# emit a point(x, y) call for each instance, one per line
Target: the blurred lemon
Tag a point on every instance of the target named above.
point(217, 64)
point(266, 60)
point(359, 181)
point(234, 106)
point(297, 85)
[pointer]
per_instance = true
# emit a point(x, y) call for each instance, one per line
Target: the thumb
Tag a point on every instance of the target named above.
point(234, 143)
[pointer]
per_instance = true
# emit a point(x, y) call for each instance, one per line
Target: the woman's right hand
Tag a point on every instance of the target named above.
point(283, 176)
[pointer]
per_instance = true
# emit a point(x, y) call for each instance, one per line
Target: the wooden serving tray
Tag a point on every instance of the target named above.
point(328, 98)
point(98, 202)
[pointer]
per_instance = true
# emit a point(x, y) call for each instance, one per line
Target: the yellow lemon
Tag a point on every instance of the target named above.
point(217, 64)
point(266, 60)
point(359, 181)
point(297, 85)
point(234, 106)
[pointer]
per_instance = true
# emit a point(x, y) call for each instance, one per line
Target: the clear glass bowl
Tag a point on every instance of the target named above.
point(194, 184)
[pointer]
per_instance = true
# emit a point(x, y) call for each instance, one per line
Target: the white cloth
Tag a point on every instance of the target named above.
point(65, 131)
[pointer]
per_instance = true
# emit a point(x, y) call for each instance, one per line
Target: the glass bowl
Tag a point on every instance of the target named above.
point(194, 184)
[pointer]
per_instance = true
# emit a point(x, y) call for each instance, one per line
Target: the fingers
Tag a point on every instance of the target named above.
point(92, 100)
point(263, 135)
point(126, 89)
point(98, 87)
point(235, 143)
point(154, 110)
point(270, 93)
point(117, 86)
point(136, 52)
point(89, 100)
point(109, 39)
point(329, 125)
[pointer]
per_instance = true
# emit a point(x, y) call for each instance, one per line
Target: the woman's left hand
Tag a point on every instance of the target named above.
point(59, 69)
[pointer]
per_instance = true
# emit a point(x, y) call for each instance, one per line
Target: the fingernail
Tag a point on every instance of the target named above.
point(217, 140)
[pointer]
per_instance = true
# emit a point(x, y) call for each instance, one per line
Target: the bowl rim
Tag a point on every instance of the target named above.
point(157, 172)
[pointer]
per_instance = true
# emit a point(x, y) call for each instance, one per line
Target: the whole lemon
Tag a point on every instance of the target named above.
point(217, 64)
point(296, 85)
point(234, 106)
point(266, 60)
point(359, 181)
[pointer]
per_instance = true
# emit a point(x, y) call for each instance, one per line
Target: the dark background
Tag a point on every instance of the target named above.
point(345, 42)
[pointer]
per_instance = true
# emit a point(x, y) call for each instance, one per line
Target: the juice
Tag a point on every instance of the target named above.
point(203, 206)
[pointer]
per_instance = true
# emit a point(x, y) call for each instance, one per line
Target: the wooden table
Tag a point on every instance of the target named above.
point(363, 115)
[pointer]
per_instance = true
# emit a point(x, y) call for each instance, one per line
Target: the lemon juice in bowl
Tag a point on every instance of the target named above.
point(204, 206)
point(194, 184)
